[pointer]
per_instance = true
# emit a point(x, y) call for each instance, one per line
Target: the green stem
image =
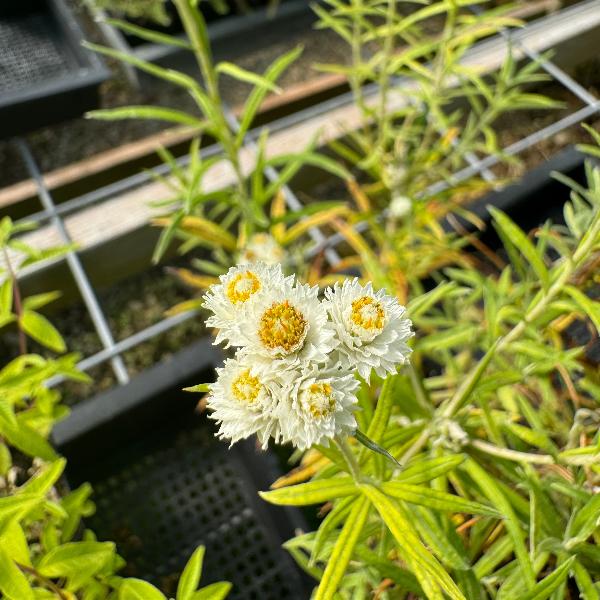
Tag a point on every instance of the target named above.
point(17, 301)
point(515, 455)
point(196, 30)
point(48, 583)
point(344, 448)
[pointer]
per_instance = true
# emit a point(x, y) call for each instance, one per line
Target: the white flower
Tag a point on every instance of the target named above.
point(316, 405)
point(371, 326)
point(239, 286)
point(285, 328)
point(400, 206)
point(262, 248)
point(243, 403)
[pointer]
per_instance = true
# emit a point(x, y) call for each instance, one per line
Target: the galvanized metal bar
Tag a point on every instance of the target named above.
point(129, 342)
point(74, 263)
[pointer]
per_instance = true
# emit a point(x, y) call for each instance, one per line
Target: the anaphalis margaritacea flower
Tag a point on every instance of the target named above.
point(294, 376)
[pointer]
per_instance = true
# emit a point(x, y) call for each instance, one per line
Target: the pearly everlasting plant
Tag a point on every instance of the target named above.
point(294, 375)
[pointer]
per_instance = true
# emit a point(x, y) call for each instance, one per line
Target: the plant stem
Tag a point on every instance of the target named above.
point(196, 31)
point(344, 448)
point(18, 302)
point(418, 445)
point(47, 582)
point(515, 455)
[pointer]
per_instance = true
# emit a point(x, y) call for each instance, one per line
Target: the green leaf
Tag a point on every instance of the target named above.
point(334, 518)
point(214, 591)
point(40, 300)
point(6, 297)
point(190, 578)
point(415, 494)
point(426, 469)
point(520, 240)
point(371, 445)
point(5, 459)
point(13, 584)
point(383, 410)
point(545, 588)
point(149, 35)
point(16, 507)
point(138, 589)
point(42, 331)
point(14, 542)
point(513, 527)
point(27, 440)
point(428, 570)
point(201, 388)
point(157, 113)
point(258, 94)
point(388, 569)
point(240, 74)
point(75, 558)
point(587, 305)
point(43, 480)
point(313, 492)
point(342, 551)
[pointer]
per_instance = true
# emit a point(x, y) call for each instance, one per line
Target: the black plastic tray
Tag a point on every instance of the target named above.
point(46, 76)
point(164, 484)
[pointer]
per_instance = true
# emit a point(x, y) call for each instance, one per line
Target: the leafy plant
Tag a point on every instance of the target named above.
point(427, 111)
point(45, 551)
point(252, 201)
point(483, 475)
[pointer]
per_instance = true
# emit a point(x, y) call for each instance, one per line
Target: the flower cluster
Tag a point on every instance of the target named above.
point(293, 377)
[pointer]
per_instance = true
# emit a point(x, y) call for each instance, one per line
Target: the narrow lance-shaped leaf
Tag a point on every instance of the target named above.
point(313, 492)
point(149, 35)
point(545, 588)
point(428, 570)
point(13, 583)
point(495, 495)
point(157, 113)
point(259, 92)
point(516, 235)
point(342, 551)
point(190, 578)
point(241, 74)
point(138, 589)
point(426, 469)
point(436, 499)
point(334, 517)
point(214, 591)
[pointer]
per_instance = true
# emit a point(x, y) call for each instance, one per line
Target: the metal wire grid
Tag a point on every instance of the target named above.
point(112, 351)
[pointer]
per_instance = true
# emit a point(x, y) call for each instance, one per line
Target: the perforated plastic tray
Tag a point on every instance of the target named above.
point(45, 74)
point(164, 484)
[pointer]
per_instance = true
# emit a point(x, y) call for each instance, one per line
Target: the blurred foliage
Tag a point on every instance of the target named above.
point(45, 550)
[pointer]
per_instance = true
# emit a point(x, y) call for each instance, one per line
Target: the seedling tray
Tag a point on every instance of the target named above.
point(164, 484)
point(46, 75)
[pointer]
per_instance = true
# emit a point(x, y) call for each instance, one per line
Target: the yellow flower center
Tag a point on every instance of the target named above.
point(319, 400)
point(242, 286)
point(246, 388)
point(368, 315)
point(282, 328)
